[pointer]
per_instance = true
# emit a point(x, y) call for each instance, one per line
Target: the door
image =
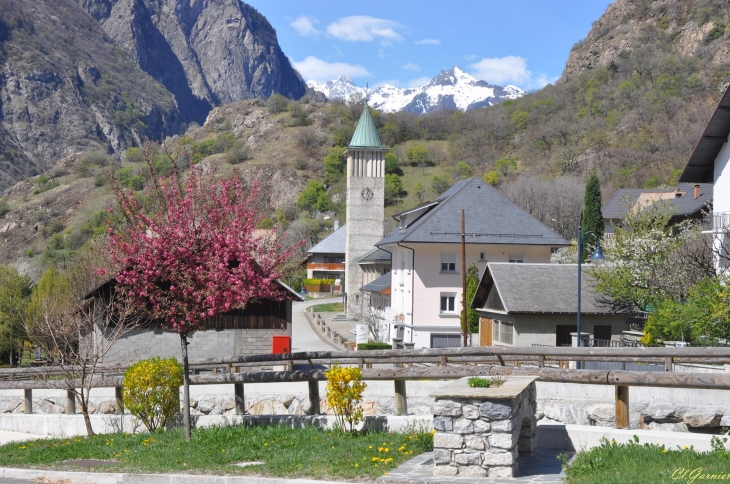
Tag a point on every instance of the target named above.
point(485, 332)
point(602, 333)
point(562, 334)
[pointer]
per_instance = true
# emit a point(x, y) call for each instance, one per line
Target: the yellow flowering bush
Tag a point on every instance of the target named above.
point(344, 394)
point(152, 391)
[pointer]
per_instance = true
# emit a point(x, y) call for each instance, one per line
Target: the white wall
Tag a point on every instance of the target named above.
point(429, 282)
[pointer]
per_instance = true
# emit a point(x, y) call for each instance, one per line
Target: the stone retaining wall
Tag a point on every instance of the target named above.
point(556, 403)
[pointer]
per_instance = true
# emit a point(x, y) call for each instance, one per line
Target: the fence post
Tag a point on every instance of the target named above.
point(70, 402)
point(28, 397)
point(622, 406)
point(313, 397)
point(239, 397)
point(541, 361)
point(401, 400)
point(668, 363)
point(120, 402)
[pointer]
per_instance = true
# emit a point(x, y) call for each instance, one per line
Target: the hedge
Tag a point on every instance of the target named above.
point(374, 346)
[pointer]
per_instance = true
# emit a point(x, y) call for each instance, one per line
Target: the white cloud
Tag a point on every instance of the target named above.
point(314, 69)
point(471, 57)
point(428, 42)
point(509, 70)
point(364, 28)
point(411, 67)
point(418, 82)
point(305, 26)
point(502, 70)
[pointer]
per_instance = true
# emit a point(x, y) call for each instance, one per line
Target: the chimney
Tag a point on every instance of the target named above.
point(337, 223)
point(697, 191)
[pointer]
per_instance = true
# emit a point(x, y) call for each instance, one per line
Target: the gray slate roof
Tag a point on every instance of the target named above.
point(488, 213)
point(376, 255)
point(685, 205)
point(332, 244)
point(379, 284)
point(540, 289)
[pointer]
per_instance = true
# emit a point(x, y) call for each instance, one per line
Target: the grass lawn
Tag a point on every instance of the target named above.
point(284, 451)
point(335, 307)
point(648, 463)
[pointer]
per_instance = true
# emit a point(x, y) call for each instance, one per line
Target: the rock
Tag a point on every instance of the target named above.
point(498, 458)
point(445, 471)
point(472, 471)
point(463, 426)
point(475, 442)
point(295, 408)
point(91, 408)
point(503, 426)
point(481, 427)
point(725, 421)
point(666, 427)
point(108, 407)
point(468, 458)
point(662, 413)
point(447, 441)
point(268, 407)
point(447, 407)
point(443, 424)
point(12, 405)
point(441, 456)
point(206, 406)
point(369, 408)
point(287, 400)
point(495, 472)
point(470, 411)
point(698, 420)
point(502, 441)
point(495, 410)
point(602, 415)
point(193, 403)
point(226, 406)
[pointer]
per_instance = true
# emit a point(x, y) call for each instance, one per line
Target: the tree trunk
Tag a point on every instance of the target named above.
point(186, 387)
point(85, 413)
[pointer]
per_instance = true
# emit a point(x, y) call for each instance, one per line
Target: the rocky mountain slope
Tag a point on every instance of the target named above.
point(452, 89)
point(65, 87)
point(206, 52)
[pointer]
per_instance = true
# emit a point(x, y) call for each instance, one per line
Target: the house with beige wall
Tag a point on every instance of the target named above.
point(426, 269)
point(537, 304)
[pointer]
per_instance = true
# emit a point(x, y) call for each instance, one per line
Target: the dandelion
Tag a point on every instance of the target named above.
point(357, 465)
point(375, 459)
point(664, 451)
point(686, 446)
point(266, 444)
point(370, 447)
point(223, 450)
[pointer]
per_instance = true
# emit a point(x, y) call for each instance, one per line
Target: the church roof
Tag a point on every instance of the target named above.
point(366, 134)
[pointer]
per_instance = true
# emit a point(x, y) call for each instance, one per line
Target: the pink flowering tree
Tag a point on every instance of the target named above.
point(192, 253)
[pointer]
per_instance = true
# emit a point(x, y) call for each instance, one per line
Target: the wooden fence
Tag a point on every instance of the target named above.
point(546, 363)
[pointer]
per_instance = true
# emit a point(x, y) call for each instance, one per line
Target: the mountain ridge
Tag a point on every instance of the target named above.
point(450, 89)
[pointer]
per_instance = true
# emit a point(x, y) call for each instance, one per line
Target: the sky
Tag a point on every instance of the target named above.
point(407, 42)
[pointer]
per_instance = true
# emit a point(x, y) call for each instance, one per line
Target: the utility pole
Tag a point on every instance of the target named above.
point(463, 278)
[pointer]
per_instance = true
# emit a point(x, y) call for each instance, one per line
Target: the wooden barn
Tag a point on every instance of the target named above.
point(245, 331)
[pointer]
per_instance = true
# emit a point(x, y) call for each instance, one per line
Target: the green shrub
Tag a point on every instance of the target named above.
point(152, 391)
point(55, 227)
point(277, 103)
point(238, 154)
point(316, 281)
point(43, 183)
point(4, 208)
point(374, 346)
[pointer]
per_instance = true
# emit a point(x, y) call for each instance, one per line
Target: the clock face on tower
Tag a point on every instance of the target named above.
point(367, 194)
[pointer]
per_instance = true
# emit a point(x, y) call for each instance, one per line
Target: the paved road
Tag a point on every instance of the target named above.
point(303, 336)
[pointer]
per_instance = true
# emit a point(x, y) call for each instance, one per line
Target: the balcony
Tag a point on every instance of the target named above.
point(721, 220)
point(326, 266)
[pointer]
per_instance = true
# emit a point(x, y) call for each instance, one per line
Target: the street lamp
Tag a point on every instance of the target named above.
point(597, 258)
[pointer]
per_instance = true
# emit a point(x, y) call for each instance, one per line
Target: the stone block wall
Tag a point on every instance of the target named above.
point(482, 438)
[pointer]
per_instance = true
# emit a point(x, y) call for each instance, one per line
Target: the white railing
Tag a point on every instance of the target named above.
point(721, 220)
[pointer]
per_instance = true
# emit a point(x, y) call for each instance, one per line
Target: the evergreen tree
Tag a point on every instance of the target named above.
point(592, 218)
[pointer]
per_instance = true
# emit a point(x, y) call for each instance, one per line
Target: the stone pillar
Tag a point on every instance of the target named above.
point(480, 431)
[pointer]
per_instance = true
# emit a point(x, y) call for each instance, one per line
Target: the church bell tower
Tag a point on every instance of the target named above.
point(365, 202)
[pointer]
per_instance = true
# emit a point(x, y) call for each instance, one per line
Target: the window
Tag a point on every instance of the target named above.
point(448, 262)
point(446, 341)
point(447, 303)
point(502, 332)
point(602, 333)
point(481, 256)
point(517, 258)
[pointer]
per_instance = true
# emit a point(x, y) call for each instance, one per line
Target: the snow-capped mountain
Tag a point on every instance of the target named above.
point(452, 89)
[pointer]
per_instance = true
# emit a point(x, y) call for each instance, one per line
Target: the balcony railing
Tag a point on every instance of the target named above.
point(721, 220)
point(326, 266)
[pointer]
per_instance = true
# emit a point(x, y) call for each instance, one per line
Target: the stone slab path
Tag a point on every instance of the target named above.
point(540, 467)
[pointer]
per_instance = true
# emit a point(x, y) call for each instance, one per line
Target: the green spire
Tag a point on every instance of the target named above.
point(366, 135)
